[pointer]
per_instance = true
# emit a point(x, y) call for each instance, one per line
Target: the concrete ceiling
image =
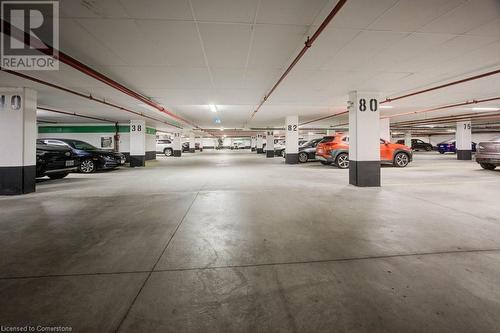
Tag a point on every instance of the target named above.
point(186, 54)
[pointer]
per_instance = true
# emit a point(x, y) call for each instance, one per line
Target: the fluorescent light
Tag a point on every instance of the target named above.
point(212, 107)
point(222, 129)
point(386, 106)
point(485, 109)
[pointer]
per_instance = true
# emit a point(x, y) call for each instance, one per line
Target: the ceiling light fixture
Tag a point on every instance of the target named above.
point(485, 109)
point(212, 107)
point(386, 106)
point(222, 129)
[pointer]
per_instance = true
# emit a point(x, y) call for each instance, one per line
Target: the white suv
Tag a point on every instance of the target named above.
point(164, 147)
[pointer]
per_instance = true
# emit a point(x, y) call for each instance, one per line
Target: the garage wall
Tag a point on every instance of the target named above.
point(93, 134)
point(435, 139)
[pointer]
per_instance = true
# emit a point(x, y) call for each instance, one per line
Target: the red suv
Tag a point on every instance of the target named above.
point(335, 150)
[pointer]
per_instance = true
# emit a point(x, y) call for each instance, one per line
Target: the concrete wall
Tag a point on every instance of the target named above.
point(436, 139)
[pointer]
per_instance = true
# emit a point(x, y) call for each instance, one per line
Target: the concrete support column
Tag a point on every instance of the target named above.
point(177, 144)
point(330, 132)
point(385, 129)
point(18, 134)
point(201, 143)
point(364, 139)
point(253, 143)
point(137, 143)
point(260, 144)
point(463, 142)
point(408, 139)
point(292, 140)
point(192, 143)
point(270, 144)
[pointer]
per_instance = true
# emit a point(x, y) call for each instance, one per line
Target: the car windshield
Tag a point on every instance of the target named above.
point(327, 139)
point(450, 141)
point(81, 145)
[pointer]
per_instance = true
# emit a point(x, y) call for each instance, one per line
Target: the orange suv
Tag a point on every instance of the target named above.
point(335, 150)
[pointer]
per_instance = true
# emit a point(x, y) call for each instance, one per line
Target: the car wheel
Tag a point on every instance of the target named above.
point(167, 152)
point(302, 157)
point(441, 152)
point(487, 166)
point(87, 166)
point(342, 161)
point(401, 160)
point(325, 162)
point(428, 148)
point(58, 175)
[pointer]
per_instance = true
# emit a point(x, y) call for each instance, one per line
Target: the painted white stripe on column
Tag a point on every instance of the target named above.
point(137, 137)
point(364, 126)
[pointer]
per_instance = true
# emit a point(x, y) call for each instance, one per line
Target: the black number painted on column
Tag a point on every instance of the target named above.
point(466, 126)
point(373, 105)
point(362, 105)
point(136, 128)
point(292, 128)
point(15, 102)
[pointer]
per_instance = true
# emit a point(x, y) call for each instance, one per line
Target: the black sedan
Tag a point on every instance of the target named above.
point(417, 144)
point(308, 150)
point(91, 158)
point(56, 162)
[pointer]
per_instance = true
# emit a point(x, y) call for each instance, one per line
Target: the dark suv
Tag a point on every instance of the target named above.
point(417, 144)
point(91, 158)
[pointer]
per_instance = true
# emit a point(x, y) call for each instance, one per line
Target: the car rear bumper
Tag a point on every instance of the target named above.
point(61, 170)
point(488, 158)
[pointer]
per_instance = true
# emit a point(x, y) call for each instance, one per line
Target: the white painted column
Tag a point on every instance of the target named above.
point(253, 143)
point(292, 140)
point(137, 143)
point(270, 144)
point(463, 142)
point(18, 134)
point(408, 139)
point(177, 144)
point(201, 143)
point(192, 142)
point(260, 144)
point(364, 139)
point(385, 129)
point(330, 132)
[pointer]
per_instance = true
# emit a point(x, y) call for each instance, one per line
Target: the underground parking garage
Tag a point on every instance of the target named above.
point(250, 166)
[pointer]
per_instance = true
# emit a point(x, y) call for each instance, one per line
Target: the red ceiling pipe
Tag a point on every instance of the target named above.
point(22, 36)
point(90, 97)
point(451, 119)
point(444, 107)
point(480, 76)
point(323, 118)
point(308, 43)
point(464, 115)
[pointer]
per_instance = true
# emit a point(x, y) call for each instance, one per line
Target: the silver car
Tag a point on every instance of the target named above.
point(488, 154)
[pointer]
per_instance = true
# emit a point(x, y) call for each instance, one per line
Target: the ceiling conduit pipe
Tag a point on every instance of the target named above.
point(89, 97)
point(308, 43)
point(444, 107)
point(463, 115)
point(22, 36)
point(472, 78)
point(74, 114)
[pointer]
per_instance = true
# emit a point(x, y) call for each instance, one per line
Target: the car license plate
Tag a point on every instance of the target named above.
point(70, 163)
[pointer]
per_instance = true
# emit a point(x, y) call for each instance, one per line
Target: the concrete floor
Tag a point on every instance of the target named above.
point(234, 242)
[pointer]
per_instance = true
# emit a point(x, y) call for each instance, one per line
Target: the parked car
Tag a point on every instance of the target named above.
point(307, 150)
point(450, 147)
point(54, 161)
point(488, 154)
point(417, 144)
point(164, 147)
point(335, 150)
point(91, 158)
point(185, 146)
